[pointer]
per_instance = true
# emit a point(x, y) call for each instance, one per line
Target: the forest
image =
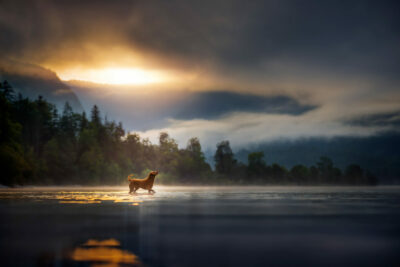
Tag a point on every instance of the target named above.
point(41, 146)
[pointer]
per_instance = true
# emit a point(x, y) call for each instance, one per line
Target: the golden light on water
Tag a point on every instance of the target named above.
point(106, 242)
point(118, 76)
point(104, 253)
point(79, 197)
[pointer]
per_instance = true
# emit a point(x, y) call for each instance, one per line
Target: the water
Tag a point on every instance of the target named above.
point(200, 226)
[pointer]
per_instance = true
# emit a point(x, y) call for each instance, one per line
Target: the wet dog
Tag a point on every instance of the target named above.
point(146, 183)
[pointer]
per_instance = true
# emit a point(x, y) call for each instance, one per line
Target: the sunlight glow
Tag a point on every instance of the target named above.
point(114, 76)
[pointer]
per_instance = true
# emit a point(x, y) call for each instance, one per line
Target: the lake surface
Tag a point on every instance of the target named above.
point(200, 226)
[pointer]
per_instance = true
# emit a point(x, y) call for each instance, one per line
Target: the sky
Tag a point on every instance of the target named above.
point(246, 71)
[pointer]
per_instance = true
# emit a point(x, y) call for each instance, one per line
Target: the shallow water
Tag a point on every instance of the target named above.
point(200, 226)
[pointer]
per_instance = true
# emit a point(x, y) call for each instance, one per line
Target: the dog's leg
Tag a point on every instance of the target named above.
point(151, 191)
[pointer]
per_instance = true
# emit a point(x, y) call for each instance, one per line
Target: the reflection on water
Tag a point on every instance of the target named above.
point(88, 196)
point(178, 226)
point(223, 200)
point(104, 243)
point(104, 253)
point(79, 201)
point(95, 197)
point(192, 200)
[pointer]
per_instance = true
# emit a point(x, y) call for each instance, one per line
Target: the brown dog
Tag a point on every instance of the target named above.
point(146, 183)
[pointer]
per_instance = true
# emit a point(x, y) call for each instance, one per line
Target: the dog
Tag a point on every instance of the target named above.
point(146, 183)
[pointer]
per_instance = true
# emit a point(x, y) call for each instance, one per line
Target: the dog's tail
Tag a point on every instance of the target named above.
point(130, 177)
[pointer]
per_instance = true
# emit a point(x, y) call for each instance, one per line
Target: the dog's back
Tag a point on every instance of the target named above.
point(146, 183)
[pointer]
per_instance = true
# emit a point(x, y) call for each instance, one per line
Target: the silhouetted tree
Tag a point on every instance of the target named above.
point(354, 174)
point(325, 169)
point(299, 174)
point(15, 164)
point(168, 156)
point(314, 175)
point(7, 91)
point(83, 122)
point(370, 178)
point(95, 117)
point(256, 167)
point(224, 158)
point(192, 167)
point(278, 173)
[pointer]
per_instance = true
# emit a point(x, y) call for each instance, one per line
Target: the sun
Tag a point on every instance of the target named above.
point(117, 76)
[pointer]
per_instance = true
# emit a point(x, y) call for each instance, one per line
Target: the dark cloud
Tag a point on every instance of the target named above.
point(143, 111)
point(356, 36)
point(214, 104)
point(382, 119)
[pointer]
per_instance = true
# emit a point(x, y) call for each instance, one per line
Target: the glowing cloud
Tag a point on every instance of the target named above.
point(115, 76)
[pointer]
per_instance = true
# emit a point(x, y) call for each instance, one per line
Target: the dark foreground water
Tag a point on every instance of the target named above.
point(201, 226)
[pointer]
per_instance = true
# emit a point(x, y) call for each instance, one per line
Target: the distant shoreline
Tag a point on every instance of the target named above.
point(105, 187)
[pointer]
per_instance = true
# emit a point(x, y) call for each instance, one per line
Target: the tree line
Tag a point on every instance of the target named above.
point(257, 171)
point(40, 145)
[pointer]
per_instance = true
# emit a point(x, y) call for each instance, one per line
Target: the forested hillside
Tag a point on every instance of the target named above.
point(40, 145)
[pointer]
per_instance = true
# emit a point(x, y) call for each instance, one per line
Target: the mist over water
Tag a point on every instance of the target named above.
point(200, 226)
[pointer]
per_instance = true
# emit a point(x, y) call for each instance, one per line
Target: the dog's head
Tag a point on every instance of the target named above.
point(153, 173)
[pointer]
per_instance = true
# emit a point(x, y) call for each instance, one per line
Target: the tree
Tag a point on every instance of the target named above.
point(299, 174)
point(354, 174)
point(167, 144)
point(118, 132)
point(69, 123)
point(325, 168)
point(370, 178)
point(168, 156)
point(256, 164)
point(7, 91)
point(83, 122)
point(278, 173)
point(15, 167)
point(95, 117)
point(194, 147)
point(192, 166)
point(224, 158)
point(313, 174)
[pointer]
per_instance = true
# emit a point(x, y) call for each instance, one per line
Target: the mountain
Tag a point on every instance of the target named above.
point(32, 80)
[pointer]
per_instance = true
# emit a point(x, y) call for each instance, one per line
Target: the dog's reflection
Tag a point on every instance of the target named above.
point(103, 253)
